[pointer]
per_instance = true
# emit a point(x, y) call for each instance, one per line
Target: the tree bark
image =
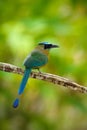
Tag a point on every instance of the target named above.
point(55, 79)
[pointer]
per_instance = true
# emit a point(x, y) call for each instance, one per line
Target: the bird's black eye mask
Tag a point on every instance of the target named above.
point(47, 46)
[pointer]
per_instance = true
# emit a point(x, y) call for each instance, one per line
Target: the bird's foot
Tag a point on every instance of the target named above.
point(39, 71)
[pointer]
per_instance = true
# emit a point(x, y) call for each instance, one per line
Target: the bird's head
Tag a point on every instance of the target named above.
point(47, 45)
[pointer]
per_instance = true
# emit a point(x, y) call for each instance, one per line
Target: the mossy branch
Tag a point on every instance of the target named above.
point(55, 79)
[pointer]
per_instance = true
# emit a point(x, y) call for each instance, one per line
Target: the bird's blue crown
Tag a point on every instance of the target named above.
point(47, 45)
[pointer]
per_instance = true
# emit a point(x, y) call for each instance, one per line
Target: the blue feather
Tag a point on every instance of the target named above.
point(24, 80)
point(16, 103)
point(22, 86)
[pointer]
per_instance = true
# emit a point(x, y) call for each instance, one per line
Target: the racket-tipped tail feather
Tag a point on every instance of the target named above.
point(16, 103)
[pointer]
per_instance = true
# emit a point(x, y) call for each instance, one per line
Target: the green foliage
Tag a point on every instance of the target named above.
point(24, 23)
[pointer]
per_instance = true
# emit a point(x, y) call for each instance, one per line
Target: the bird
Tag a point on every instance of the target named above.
point(36, 59)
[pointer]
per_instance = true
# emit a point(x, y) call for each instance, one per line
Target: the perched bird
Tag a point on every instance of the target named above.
point(37, 58)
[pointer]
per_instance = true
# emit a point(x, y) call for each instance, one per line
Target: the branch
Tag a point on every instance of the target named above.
point(45, 76)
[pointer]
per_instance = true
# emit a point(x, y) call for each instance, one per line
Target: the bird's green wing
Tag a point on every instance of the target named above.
point(36, 59)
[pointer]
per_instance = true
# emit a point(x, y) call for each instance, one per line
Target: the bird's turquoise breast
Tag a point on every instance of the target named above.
point(35, 60)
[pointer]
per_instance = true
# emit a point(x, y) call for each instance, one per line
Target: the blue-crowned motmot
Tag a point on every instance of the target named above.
point(37, 58)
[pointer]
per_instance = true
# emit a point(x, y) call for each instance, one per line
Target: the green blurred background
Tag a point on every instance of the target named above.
point(44, 106)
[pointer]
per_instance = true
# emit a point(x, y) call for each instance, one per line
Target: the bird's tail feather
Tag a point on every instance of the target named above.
point(22, 86)
point(24, 81)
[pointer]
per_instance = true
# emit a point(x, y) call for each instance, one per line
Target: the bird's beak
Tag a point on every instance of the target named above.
point(54, 46)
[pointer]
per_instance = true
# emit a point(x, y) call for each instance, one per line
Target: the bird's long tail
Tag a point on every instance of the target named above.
point(22, 86)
